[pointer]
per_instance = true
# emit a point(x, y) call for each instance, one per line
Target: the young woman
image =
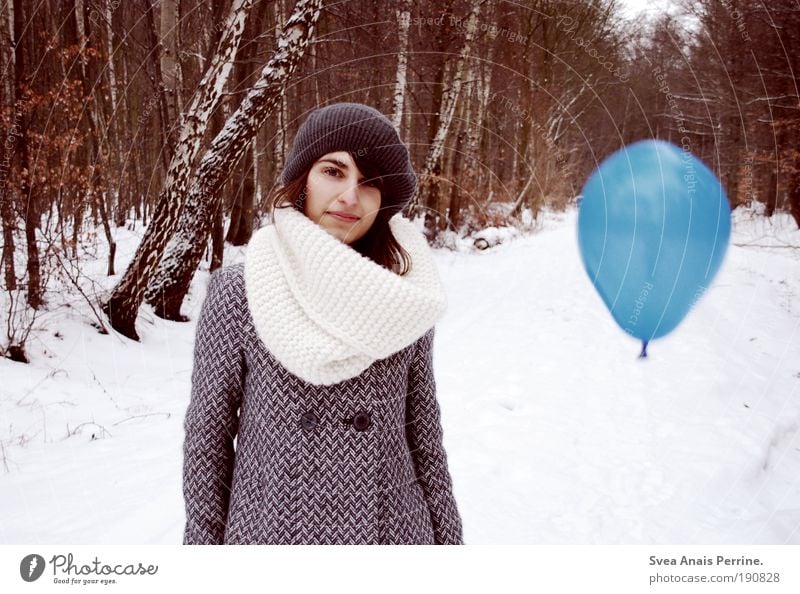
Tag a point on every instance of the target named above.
point(313, 416)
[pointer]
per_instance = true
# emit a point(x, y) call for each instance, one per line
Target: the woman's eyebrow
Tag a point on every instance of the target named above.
point(336, 162)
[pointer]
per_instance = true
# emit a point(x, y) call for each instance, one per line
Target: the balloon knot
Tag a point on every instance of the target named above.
point(643, 354)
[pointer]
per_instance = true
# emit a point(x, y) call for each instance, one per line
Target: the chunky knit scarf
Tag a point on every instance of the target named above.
point(325, 311)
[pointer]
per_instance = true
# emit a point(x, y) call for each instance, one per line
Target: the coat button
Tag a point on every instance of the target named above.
point(361, 421)
point(309, 421)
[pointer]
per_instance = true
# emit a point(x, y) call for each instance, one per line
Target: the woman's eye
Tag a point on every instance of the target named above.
point(332, 171)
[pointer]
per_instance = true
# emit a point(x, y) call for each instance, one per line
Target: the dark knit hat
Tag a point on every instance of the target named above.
point(368, 136)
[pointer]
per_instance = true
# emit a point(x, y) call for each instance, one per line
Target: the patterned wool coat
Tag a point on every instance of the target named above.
point(272, 459)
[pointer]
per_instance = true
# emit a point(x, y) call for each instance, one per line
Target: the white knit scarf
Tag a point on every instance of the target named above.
point(325, 311)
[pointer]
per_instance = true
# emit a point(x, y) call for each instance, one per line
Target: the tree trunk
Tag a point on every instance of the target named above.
point(8, 144)
point(123, 306)
point(129, 192)
point(242, 215)
point(461, 176)
point(279, 154)
point(403, 14)
point(217, 239)
point(31, 205)
point(457, 157)
point(478, 138)
point(34, 269)
point(793, 190)
point(772, 192)
point(175, 273)
point(169, 62)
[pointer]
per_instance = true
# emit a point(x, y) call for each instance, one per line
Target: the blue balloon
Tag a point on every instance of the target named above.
point(653, 228)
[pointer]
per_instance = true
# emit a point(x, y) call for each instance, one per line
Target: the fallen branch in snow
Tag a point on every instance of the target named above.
point(75, 430)
point(144, 415)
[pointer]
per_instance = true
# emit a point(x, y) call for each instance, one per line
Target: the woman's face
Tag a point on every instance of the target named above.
point(339, 199)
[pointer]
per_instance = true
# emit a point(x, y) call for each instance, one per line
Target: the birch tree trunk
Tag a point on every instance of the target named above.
point(404, 23)
point(280, 136)
point(178, 266)
point(123, 305)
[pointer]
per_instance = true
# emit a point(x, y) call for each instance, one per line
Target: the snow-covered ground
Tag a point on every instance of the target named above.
point(555, 431)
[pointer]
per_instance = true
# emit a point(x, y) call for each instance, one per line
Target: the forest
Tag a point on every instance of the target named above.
point(173, 118)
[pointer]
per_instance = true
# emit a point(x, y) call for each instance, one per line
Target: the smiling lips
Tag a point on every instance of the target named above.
point(343, 216)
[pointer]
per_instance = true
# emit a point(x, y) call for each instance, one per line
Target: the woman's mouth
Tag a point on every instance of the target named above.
point(343, 217)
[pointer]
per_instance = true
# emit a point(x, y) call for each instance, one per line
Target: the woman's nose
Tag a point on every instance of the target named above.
point(350, 194)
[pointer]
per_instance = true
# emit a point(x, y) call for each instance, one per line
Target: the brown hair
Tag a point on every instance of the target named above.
point(378, 244)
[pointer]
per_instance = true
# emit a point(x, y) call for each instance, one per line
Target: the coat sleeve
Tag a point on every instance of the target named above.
point(424, 434)
point(212, 418)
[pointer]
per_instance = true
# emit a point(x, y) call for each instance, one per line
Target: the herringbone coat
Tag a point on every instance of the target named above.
point(272, 459)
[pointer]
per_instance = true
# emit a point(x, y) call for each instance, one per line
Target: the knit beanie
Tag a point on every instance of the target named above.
point(368, 136)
